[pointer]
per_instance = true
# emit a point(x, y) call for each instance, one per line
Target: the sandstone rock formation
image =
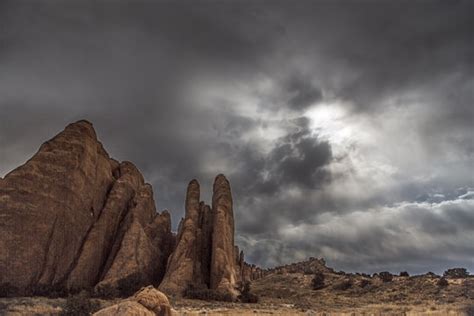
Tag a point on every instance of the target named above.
point(147, 301)
point(205, 255)
point(183, 261)
point(72, 217)
point(223, 271)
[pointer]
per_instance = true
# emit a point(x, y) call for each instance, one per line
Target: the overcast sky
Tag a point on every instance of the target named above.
point(344, 127)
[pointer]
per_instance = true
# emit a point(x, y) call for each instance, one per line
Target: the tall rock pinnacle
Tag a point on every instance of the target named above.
point(181, 264)
point(205, 254)
point(223, 270)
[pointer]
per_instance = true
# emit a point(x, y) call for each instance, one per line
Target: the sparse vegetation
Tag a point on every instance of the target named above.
point(8, 290)
point(80, 304)
point(307, 271)
point(456, 273)
point(130, 284)
point(206, 294)
point(385, 276)
point(52, 291)
point(342, 285)
point(364, 283)
point(246, 295)
point(404, 274)
point(317, 282)
point(106, 291)
point(442, 282)
point(431, 274)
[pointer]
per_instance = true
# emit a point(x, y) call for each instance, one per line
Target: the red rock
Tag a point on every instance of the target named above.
point(223, 271)
point(71, 213)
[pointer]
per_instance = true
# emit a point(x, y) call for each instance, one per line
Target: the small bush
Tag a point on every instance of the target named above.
point(8, 290)
point(364, 283)
point(205, 294)
point(431, 274)
point(386, 276)
point(79, 304)
point(246, 295)
point(456, 273)
point(317, 282)
point(130, 284)
point(52, 291)
point(106, 291)
point(342, 285)
point(404, 274)
point(442, 282)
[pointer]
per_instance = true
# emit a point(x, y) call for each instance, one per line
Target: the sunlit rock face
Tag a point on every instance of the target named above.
point(71, 217)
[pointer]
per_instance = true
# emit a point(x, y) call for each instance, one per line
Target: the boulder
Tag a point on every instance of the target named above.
point(147, 301)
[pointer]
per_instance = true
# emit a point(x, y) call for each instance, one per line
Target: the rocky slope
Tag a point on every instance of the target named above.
point(311, 285)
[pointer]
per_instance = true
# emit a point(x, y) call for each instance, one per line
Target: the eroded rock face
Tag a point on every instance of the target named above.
point(205, 255)
point(71, 217)
point(182, 269)
point(223, 267)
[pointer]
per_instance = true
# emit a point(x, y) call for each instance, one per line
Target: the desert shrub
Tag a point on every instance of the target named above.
point(404, 274)
point(431, 274)
point(317, 282)
point(342, 285)
point(79, 304)
point(442, 282)
point(307, 271)
point(106, 291)
point(52, 291)
point(456, 273)
point(364, 282)
point(205, 294)
point(246, 295)
point(386, 276)
point(8, 290)
point(130, 284)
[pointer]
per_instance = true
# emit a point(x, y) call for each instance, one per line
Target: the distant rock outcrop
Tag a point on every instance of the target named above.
point(71, 217)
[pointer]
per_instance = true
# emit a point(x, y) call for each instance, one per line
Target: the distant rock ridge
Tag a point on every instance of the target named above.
point(73, 218)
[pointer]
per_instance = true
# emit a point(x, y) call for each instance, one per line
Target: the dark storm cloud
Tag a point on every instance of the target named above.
point(297, 159)
point(189, 89)
point(302, 93)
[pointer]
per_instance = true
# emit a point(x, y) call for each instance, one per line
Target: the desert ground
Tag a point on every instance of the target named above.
point(287, 293)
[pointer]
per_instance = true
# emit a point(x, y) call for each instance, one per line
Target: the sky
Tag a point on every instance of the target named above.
point(344, 127)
